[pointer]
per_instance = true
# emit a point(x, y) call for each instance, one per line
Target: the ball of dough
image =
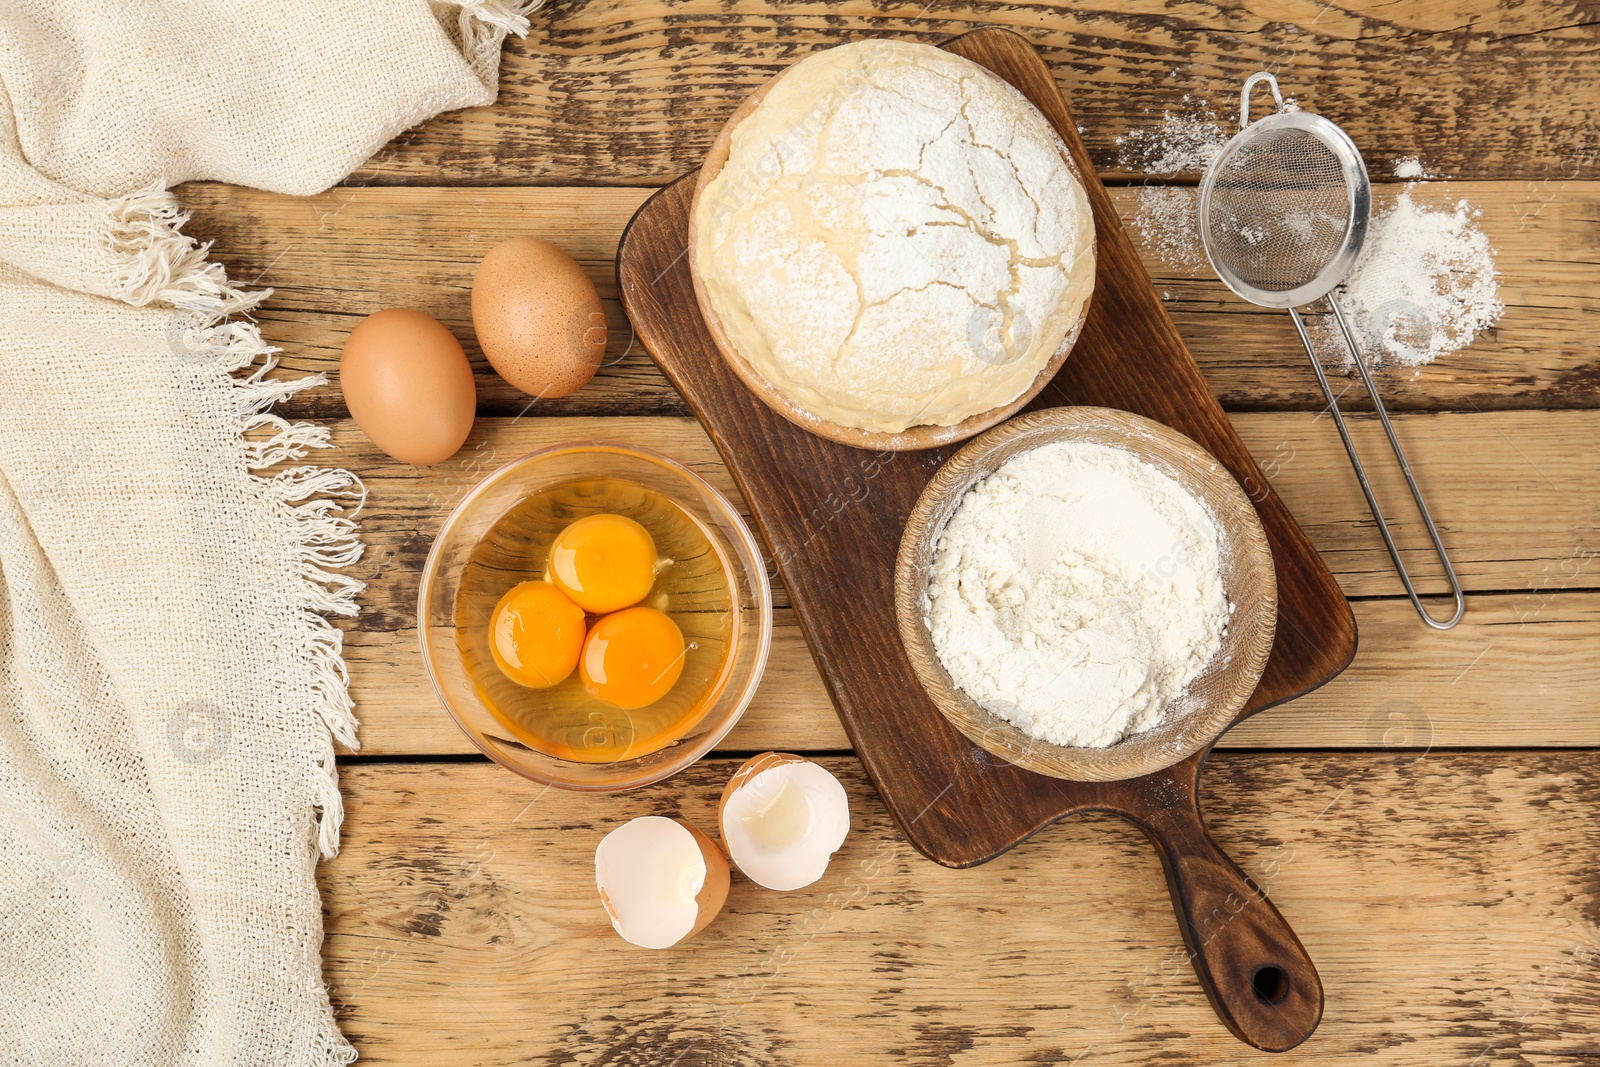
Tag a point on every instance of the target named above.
point(896, 238)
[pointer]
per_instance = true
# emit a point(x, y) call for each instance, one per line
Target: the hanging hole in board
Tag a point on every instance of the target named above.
point(1271, 983)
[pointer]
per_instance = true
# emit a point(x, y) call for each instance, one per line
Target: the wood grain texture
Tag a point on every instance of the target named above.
point(1450, 902)
point(1128, 355)
point(1518, 672)
point(632, 91)
point(351, 251)
point(1516, 495)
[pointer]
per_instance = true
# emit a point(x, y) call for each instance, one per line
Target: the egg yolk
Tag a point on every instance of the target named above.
point(604, 563)
point(633, 658)
point(536, 634)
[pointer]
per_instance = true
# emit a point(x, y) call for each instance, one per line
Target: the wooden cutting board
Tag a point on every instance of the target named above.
point(832, 516)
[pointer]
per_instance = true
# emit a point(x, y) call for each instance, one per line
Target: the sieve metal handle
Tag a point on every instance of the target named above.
point(1249, 85)
point(1399, 455)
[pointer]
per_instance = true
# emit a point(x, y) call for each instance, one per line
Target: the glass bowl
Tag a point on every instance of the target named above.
point(746, 629)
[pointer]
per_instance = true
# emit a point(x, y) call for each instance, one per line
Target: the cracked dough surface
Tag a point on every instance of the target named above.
point(896, 238)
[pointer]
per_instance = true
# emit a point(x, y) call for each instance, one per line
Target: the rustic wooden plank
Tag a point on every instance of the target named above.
point(1516, 492)
point(349, 252)
point(620, 91)
point(1517, 672)
point(1449, 902)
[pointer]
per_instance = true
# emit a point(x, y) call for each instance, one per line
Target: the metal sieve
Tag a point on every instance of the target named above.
point(1283, 213)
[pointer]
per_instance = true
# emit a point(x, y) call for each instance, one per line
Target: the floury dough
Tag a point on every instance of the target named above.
point(896, 238)
point(1076, 592)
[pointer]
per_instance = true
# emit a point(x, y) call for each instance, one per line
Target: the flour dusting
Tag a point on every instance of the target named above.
point(1410, 167)
point(1165, 221)
point(896, 239)
point(1182, 142)
point(1076, 592)
point(1425, 285)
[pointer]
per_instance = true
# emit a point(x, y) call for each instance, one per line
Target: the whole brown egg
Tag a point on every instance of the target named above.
point(538, 317)
point(408, 385)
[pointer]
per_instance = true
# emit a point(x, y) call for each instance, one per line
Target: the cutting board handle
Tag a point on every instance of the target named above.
point(1258, 976)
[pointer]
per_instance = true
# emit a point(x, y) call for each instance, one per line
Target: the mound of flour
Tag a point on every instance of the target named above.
point(1076, 592)
point(1424, 286)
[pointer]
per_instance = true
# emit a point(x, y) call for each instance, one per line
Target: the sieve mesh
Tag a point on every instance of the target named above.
point(1280, 208)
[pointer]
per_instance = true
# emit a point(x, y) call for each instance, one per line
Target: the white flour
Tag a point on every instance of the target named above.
point(1076, 592)
point(1410, 167)
point(1182, 143)
point(1424, 287)
point(1165, 222)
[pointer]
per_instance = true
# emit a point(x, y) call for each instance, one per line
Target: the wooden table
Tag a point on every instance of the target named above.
point(1427, 822)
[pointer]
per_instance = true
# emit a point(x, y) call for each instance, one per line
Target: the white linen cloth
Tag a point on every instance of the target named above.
point(168, 678)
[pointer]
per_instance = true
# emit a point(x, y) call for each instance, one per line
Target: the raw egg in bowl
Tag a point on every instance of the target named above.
point(595, 616)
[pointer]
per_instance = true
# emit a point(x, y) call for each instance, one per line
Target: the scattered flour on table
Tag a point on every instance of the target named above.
point(1183, 142)
point(1165, 223)
point(1076, 592)
point(1424, 287)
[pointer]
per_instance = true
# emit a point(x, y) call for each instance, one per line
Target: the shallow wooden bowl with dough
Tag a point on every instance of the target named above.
point(907, 440)
point(1211, 701)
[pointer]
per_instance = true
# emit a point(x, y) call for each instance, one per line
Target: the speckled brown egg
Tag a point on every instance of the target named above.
point(538, 317)
point(408, 385)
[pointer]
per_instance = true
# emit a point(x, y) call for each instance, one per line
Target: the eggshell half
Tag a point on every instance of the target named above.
point(538, 317)
point(795, 855)
point(408, 385)
point(748, 770)
point(639, 872)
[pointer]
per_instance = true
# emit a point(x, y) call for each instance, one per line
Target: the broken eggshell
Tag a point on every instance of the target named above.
point(782, 818)
point(661, 880)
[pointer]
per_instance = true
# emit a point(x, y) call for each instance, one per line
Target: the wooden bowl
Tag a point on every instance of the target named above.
point(907, 440)
point(1212, 699)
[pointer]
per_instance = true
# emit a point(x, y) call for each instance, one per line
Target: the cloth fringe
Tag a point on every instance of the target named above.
point(161, 263)
point(307, 512)
point(485, 23)
point(338, 1052)
point(316, 507)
